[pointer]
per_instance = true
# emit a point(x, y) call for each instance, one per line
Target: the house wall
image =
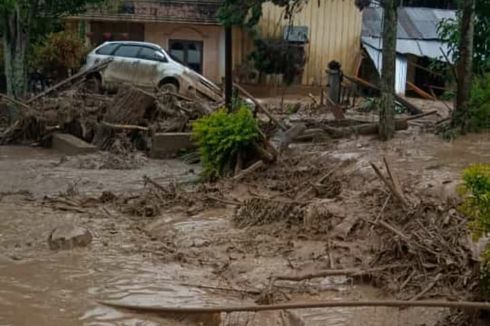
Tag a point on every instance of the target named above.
point(211, 36)
point(334, 28)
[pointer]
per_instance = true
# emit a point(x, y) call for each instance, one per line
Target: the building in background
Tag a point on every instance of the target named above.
point(190, 31)
point(418, 48)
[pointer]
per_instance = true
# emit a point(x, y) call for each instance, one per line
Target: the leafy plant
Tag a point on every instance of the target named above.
point(59, 53)
point(476, 191)
point(476, 205)
point(221, 136)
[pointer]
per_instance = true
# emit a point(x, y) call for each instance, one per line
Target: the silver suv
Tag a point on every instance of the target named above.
point(147, 65)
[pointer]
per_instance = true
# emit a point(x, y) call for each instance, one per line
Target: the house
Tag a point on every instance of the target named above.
point(190, 31)
point(419, 46)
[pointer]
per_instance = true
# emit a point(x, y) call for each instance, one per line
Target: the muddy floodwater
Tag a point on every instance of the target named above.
point(128, 260)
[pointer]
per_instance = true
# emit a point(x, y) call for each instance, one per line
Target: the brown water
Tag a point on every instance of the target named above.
point(40, 287)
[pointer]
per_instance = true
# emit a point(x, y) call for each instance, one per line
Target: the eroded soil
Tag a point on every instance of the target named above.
point(187, 249)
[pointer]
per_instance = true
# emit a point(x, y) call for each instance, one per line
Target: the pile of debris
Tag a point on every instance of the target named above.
point(120, 123)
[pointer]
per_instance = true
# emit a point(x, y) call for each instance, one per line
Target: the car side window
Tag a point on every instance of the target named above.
point(127, 51)
point(147, 53)
point(108, 49)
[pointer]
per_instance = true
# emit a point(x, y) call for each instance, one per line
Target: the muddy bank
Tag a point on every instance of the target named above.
point(184, 247)
point(47, 172)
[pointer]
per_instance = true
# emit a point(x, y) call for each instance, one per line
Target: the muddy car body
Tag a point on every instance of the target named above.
point(147, 65)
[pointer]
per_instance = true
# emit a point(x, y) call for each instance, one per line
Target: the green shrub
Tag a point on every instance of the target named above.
point(221, 136)
point(476, 204)
point(58, 53)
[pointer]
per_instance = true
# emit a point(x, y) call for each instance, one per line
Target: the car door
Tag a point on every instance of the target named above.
point(125, 65)
point(150, 67)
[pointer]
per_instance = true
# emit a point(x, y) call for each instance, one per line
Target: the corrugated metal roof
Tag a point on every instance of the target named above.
point(420, 48)
point(413, 23)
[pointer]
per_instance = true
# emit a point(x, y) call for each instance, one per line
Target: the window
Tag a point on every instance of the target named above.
point(127, 51)
point(108, 49)
point(189, 53)
point(147, 53)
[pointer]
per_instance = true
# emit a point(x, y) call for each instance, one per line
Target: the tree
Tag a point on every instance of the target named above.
point(465, 65)
point(387, 104)
point(18, 18)
point(450, 31)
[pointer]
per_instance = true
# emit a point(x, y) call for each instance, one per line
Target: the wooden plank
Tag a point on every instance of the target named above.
point(76, 76)
point(260, 106)
point(420, 92)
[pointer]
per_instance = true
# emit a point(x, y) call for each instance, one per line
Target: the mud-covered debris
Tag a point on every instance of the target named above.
point(261, 211)
point(69, 236)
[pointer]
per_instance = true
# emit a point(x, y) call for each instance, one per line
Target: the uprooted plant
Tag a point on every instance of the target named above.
point(221, 136)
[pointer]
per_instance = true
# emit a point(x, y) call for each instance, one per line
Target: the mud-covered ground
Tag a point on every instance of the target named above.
point(189, 244)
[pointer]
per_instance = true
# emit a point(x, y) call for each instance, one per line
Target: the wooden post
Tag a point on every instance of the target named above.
point(334, 80)
point(228, 67)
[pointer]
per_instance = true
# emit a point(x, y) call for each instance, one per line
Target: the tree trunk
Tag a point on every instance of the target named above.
point(387, 105)
point(465, 65)
point(15, 41)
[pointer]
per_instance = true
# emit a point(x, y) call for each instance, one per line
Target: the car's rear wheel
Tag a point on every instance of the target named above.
point(169, 87)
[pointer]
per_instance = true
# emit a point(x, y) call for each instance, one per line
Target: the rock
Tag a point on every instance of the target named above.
point(68, 237)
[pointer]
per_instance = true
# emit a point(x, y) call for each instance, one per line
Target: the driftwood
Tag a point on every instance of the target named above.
point(260, 106)
point(254, 167)
point(337, 272)
point(427, 289)
point(390, 183)
point(310, 188)
point(289, 306)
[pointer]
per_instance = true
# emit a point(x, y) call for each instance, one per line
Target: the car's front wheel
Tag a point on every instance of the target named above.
point(169, 87)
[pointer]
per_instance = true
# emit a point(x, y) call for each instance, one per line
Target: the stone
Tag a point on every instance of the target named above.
point(69, 236)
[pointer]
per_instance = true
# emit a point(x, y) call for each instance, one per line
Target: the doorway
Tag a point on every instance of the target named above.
point(189, 53)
